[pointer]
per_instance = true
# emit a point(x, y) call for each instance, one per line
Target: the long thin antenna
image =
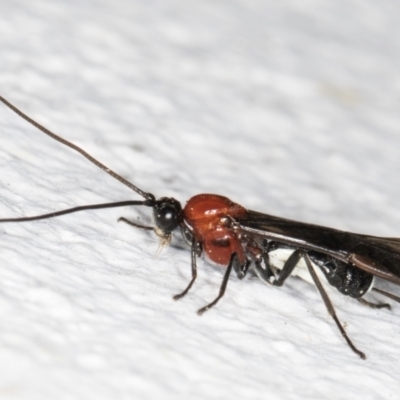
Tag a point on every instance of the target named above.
point(80, 208)
point(144, 194)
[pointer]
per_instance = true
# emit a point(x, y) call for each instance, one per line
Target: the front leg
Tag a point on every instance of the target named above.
point(195, 249)
point(148, 228)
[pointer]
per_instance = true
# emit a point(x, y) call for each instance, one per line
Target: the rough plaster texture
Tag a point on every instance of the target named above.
point(291, 108)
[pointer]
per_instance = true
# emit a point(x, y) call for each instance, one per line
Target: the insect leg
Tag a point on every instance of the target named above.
point(264, 274)
point(267, 272)
point(233, 260)
point(373, 305)
point(122, 219)
point(329, 305)
point(288, 268)
point(387, 294)
point(241, 270)
point(194, 250)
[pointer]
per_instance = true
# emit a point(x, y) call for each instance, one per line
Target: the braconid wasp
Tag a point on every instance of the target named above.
point(242, 240)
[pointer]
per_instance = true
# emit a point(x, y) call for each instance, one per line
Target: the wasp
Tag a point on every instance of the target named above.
point(242, 240)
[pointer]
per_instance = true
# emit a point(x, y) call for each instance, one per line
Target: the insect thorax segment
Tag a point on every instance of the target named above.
point(209, 216)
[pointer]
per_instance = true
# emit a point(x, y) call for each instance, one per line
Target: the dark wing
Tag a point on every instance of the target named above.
point(376, 255)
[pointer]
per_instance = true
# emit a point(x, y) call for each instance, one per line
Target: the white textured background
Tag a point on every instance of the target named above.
point(291, 108)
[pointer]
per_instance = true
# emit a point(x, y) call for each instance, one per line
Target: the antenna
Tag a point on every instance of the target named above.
point(147, 196)
point(79, 208)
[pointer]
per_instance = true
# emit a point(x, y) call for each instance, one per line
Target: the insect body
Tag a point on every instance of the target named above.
point(242, 240)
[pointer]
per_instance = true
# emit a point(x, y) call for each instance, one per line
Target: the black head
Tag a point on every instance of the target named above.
point(167, 215)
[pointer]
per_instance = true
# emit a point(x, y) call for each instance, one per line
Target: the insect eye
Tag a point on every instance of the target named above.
point(167, 215)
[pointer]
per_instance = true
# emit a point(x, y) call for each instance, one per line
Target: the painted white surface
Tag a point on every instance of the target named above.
point(287, 107)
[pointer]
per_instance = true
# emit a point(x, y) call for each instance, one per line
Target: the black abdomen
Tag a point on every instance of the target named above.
point(346, 278)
